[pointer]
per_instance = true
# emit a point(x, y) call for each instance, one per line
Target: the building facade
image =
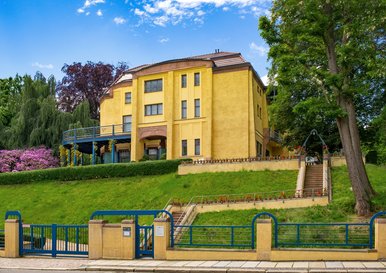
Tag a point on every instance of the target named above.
point(211, 106)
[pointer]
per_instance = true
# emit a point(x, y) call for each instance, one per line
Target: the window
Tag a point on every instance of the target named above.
point(153, 85)
point(153, 109)
point(197, 108)
point(183, 81)
point(128, 97)
point(259, 149)
point(197, 146)
point(184, 147)
point(196, 79)
point(183, 109)
point(126, 123)
point(260, 112)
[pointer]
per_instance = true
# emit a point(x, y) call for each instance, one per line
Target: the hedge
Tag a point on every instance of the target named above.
point(91, 172)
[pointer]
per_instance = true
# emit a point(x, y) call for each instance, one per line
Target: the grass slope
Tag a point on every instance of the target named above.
point(340, 210)
point(73, 202)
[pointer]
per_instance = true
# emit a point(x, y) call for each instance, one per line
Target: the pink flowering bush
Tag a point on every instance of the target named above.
point(26, 160)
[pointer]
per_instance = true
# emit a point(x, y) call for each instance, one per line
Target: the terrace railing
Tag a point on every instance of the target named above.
point(275, 136)
point(96, 132)
point(237, 160)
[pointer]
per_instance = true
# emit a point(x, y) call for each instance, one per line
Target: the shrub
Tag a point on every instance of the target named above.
point(92, 172)
point(26, 160)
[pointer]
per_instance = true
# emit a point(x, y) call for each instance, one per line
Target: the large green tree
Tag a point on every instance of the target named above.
point(336, 50)
point(30, 116)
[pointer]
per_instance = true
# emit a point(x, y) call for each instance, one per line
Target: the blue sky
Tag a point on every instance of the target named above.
point(42, 35)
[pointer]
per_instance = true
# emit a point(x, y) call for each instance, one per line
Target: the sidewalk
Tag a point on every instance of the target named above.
point(72, 264)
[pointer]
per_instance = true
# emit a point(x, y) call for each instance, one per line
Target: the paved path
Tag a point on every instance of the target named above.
point(145, 265)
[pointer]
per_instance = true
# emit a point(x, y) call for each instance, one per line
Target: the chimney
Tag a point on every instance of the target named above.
point(217, 51)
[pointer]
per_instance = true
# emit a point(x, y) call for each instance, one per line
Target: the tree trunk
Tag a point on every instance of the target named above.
point(357, 172)
point(348, 129)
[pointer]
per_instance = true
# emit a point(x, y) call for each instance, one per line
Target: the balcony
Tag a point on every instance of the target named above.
point(275, 136)
point(98, 133)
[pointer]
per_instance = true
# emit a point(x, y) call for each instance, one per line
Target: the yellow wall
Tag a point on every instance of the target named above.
point(229, 122)
point(273, 165)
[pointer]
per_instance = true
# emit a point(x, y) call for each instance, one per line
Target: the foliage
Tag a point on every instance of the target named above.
point(35, 118)
point(328, 60)
point(377, 137)
point(86, 82)
point(92, 172)
point(26, 160)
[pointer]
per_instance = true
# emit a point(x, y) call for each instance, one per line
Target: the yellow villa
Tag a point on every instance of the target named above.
point(212, 106)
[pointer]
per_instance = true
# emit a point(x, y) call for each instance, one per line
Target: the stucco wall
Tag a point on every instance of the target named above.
point(273, 165)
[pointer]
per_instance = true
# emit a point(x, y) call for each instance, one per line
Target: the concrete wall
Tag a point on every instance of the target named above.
point(274, 165)
point(108, 240)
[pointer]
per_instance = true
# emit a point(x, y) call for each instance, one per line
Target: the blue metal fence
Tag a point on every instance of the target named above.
point(323, 235)
point(213, 236)
point(55, 239)
point(2, 239)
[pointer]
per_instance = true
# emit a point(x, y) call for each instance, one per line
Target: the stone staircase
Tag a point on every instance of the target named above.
point(178, 216)
point(313, 182)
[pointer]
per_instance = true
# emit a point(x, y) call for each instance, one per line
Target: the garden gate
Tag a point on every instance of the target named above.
point(51, 239)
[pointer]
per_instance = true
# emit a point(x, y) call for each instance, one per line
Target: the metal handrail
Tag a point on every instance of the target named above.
point(282, 194)
point(238, 160)
point(95, 131)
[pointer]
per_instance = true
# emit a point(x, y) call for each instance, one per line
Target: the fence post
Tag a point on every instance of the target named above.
point(54, 232)
point(128, 241)
point(380, 237)
point(263, 239)
point(12, 238)
point(161, 237)
point(95, 239)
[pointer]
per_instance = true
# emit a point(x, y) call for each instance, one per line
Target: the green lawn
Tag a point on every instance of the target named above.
point(73, 202)
point(340, 210)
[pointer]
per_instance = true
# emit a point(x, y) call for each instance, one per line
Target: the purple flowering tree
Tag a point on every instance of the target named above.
point(26, 160)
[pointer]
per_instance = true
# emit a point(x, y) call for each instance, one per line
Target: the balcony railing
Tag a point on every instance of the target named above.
point(275, 136)
point(97, 132)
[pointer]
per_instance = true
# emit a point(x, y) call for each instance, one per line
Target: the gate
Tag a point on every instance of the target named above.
point(54, 239)
point(144, 239)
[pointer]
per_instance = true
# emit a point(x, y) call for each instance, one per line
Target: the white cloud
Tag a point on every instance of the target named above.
point(119, 20)
point(161, 21)
point(42, 66)
point(99, 12)
point(139, 12)
point(88, 3)
point(163, 12)
point(261, 50)
point(200, 13)
point(265, 79)
point(163, 40)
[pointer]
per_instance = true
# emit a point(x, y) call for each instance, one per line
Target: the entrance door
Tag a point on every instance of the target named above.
point(144, 241)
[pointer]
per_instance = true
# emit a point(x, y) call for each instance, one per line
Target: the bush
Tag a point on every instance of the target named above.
point(92, 172)
point(27, 160)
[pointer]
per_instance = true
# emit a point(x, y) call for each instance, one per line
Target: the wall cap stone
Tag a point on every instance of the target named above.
point(380, 220)
point(160, 220)
point(12, 221)
point(264, 221)
point(97, 222)
point(127, 221)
